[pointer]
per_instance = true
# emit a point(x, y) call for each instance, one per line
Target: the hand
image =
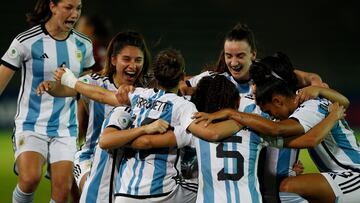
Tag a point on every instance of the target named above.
point(336, 110)
point(158, 126)
point(208, 118)
point(122, 94)
point(307, 93)
point(44, 86)
point(66, 77)
point(298, 168)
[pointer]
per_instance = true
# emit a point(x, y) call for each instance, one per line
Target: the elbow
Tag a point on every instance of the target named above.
point(103, 144)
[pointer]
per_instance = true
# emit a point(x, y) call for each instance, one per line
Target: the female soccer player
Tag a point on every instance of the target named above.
point(127, 61)
point(45, 127)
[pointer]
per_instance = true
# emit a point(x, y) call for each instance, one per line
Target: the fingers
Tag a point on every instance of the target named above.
point(43, 87)
point(58, 73)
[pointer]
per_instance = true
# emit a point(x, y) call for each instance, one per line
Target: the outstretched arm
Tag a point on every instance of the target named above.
point(262, 125)
point(93, 92)
point(55, 89)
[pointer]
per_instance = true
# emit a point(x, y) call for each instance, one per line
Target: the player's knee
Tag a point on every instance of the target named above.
point(287, 185)
point(29, 183)
point(60, 190)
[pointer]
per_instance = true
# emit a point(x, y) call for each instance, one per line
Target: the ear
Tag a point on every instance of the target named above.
point(52, 7)
point(113, 61)
point(253, 57)
point(277, 101)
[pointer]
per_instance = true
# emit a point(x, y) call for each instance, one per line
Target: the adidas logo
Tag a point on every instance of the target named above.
point(44, 56)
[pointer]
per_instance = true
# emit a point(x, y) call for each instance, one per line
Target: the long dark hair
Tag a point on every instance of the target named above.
point(41, 12)
point(121, 40)
point(273, 75)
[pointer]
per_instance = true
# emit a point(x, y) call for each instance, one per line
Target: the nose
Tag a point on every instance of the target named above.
point(234, 62)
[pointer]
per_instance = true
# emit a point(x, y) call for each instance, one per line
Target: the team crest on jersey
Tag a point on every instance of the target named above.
point(12, 52)
point(78, 55)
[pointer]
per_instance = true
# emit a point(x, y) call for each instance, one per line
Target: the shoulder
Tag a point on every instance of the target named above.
point(80, 36)
point(30, 33)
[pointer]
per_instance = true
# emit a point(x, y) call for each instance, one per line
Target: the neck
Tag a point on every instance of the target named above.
point(55, 31)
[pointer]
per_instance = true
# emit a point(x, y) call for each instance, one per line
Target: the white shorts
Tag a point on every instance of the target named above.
point(345, 185)
point(178, 195)
point(53, 149)
point(81, 167)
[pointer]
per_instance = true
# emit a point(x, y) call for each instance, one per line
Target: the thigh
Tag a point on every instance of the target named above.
point(312, 186)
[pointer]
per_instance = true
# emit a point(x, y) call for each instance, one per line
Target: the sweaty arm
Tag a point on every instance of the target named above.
point(5, 76)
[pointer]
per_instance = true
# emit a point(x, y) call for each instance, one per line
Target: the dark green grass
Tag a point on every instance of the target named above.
point(8, 179)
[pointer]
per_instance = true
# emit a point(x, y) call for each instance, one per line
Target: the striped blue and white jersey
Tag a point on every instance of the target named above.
point(97, 185)
point(228, 169)
point(339, 150)
point(243, 88)
point(97, 113)
point(151, 173)
point(37, 54)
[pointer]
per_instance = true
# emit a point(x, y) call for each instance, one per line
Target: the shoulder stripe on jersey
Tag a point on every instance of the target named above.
point(28, 32)
point(336, 161)
point(31, 36)
point(81, 35)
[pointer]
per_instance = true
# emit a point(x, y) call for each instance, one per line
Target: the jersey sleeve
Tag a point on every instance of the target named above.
point(14, 56)
point(185, 112)
point(310, 113)
point(195, 80)
point(89, 60)
point(119, 118)
point(183, 138)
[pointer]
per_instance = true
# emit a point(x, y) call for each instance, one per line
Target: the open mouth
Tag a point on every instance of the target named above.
point(237, 68)
point(130, 73)
point(70, 23)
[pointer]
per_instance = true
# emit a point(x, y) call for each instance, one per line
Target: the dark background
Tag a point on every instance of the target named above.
point(318, 36)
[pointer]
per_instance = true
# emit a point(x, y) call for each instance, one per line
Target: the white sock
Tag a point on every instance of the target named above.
point(52, 201)
point(22, 197)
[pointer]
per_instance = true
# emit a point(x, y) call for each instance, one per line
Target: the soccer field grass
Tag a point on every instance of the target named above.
point(8, 178)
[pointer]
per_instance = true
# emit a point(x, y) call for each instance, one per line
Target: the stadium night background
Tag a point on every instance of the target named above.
point(318, 36)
